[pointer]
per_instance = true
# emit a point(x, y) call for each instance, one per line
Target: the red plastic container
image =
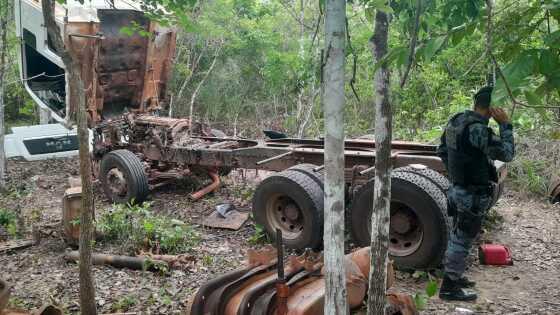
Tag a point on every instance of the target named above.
point(494, 254)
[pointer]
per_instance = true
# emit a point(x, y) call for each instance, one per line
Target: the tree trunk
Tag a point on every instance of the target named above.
point(195, 93)
point(382, 191)
point(77, 95)
point(5, 9)
point(333, 99)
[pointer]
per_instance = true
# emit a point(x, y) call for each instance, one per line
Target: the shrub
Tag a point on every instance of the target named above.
point(8, 220)
point(136, 227)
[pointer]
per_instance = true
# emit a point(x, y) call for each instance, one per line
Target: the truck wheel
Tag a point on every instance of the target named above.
point(435, 177)
point(123, 178)
point(307, 169)
point(292, 202)
point(418, 232)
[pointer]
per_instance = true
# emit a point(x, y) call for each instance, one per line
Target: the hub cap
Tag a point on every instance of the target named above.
point(284, 214)
point(405, 232)
point(116, 182)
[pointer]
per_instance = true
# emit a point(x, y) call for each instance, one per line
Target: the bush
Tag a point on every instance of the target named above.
point(136, 227)
point(534, 165)
point(8, 220)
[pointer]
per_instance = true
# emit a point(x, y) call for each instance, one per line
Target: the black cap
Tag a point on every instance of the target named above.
point(483, 97)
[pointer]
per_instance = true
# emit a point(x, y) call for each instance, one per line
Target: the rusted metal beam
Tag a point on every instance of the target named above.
point(279, 156)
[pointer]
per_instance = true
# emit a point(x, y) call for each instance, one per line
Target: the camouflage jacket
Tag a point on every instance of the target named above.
point(482, 137)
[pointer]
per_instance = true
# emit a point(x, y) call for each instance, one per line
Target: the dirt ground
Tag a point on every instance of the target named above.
point(40, 275)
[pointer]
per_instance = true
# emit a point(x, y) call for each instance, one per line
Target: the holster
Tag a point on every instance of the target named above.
point(469, 222)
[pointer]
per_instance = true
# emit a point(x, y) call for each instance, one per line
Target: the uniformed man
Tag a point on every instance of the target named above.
point(468, 148)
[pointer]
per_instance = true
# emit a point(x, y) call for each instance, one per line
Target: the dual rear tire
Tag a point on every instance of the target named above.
point(419, 223)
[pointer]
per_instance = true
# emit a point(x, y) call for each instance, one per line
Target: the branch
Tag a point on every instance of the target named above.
point(510, 93)
point(294, 15)
point(413, 41)
point(355, 61)
point(193, 97)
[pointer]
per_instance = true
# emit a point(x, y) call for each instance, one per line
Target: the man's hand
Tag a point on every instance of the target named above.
point(499, 115)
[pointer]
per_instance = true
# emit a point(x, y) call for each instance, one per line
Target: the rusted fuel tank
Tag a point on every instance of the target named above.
point(252, 290)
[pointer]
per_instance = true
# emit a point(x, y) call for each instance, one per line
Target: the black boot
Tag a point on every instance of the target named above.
point(452, 290)
point(464, 282)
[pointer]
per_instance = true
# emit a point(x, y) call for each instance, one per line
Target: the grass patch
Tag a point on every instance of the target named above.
point(137, 228)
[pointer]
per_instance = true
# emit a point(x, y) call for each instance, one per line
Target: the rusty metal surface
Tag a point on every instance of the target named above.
point(256, 291)
point(122, 61)
point(71, 208)
point(233, 221)
point(121, 72)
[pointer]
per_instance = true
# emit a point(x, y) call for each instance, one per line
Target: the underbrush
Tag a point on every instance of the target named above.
point(136, 228)
point(8, 221)
point(535, 163)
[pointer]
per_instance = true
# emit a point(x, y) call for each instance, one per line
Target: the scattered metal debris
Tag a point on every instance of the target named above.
point(224, 208)
point(233, 220)
point(294, 286)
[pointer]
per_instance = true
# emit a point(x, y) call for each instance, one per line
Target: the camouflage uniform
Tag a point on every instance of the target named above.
point(471, 203)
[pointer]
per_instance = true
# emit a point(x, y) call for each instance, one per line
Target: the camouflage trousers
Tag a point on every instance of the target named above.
point(471, 208)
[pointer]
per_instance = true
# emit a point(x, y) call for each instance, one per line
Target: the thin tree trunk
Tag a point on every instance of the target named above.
point(77, 95)
point(413, 40)
point(300, 102)
point(382, 191)
point(195, 93)
point(334, 100)
point(4, 15)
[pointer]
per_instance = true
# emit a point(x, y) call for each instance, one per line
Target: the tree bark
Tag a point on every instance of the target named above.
point(5, 9)
point(382, 191)
point(334, 100)
point(77, 95)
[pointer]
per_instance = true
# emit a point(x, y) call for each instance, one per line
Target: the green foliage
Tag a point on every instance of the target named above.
point(530, 175)
point(8, 220)
point(259, 237)
point(136, 228)
point(124, 304)
point(420, 299)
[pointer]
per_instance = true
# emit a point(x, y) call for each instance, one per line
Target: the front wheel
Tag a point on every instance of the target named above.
point(123, 178)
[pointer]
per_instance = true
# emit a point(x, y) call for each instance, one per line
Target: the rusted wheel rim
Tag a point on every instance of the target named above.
point(283, 213)
point(116, 182)
point(405, 232)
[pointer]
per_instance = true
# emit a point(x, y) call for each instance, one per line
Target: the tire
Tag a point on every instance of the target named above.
point(424, 209)
point(435, 177)
point(129, 167)
point(282, 192)
point(307, 169)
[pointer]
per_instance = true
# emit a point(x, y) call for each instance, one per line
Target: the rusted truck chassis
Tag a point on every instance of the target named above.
point(140, 152)
point(135, 149)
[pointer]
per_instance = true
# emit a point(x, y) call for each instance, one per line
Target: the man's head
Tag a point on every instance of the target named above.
point(482, 101)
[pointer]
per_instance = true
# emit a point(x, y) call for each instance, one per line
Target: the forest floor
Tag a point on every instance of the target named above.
point(40, 275)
